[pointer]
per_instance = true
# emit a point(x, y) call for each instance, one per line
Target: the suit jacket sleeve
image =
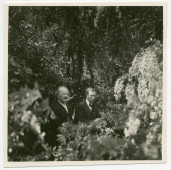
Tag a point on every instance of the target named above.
point(78, 114)
point(96, 113)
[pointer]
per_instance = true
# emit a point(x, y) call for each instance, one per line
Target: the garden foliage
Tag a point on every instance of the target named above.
point(125, 131)
point(117, 50)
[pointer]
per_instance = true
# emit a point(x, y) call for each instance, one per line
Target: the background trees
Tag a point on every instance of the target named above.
point(92, 44)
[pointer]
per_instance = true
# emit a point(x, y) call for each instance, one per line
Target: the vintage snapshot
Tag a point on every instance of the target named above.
point(85, 83)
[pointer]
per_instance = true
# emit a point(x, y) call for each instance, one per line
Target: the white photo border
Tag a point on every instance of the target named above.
point(68, 163)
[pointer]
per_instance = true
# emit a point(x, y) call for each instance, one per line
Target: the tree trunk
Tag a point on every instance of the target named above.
point(89, 64)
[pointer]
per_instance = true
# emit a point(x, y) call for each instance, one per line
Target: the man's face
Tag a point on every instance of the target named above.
point(91, 96)
point(63, 94)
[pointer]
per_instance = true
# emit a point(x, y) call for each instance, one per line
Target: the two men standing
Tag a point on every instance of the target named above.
point(60, 112)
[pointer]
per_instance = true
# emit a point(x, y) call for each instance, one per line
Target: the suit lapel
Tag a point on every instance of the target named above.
point(88, 111)
point(63, 114)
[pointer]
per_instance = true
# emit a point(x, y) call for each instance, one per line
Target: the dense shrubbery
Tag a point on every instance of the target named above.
point(125, 131)
point(93, 141)
point(27, 111)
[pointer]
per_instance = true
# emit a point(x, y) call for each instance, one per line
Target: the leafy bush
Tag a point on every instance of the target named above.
point(93, 141)
point(115, 114)
point(96, 141)
point(26, 113)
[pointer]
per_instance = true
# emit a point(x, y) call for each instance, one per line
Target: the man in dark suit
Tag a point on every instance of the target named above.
point(60, 113)
point(86, 110)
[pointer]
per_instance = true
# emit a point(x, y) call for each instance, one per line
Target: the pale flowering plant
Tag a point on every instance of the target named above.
point(144, 97)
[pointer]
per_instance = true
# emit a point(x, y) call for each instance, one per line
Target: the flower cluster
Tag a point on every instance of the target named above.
point(143, 91)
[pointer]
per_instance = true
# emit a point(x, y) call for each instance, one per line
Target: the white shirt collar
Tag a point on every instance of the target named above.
point(64, 105)
point(88, 103)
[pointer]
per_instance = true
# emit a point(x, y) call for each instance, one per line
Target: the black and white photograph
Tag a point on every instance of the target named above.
point(85, 83)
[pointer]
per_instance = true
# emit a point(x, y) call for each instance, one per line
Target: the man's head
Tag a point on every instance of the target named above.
point(63, 94)
point(91, 95)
